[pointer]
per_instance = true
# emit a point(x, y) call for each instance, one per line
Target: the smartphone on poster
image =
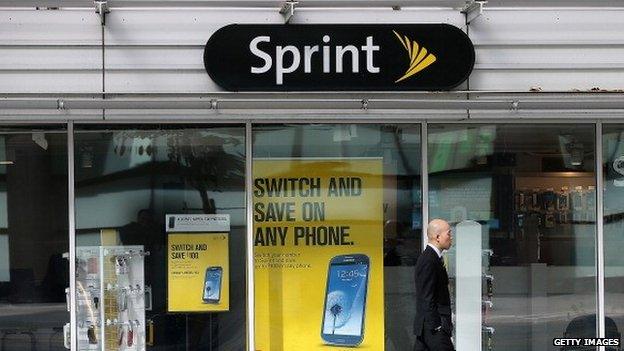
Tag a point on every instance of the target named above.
point(212, 285)
point(345, 300)
point(171, 222)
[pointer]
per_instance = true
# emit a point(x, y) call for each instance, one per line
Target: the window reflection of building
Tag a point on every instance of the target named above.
point(33, 237)
point(129, 178)
point(511, 178)
point(613, 160)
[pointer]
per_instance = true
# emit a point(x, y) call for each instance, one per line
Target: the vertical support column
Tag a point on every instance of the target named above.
point(468, 280)
point(424, 177)
point(72, 233)
point(600, 262)
point(250, 243)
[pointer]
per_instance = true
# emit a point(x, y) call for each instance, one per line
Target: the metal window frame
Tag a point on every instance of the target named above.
point(251, 123)
point(600, 257)
point(72, 235)
point(424, 170)
point(251, 295)
point(335, 118)
point(366, 104)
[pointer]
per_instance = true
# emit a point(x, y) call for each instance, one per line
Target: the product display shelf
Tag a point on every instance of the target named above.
point(110, 295)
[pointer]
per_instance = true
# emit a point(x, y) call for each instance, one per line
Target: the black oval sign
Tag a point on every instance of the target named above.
point(327, 57)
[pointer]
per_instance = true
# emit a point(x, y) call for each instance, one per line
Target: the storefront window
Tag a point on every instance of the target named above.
point(160, 233)
point(531, 192)
point(337, 229)
point(33, 238)
point(613, 159)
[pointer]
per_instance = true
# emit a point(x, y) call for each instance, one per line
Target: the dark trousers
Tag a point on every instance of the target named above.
point(433, 341)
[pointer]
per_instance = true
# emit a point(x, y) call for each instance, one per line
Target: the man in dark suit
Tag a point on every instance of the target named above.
point(433, 327)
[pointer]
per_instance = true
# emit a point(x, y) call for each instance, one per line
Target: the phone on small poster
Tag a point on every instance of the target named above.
point(345, 300)
point(212, 285)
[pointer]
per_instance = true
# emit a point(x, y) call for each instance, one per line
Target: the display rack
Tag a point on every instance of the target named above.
point(487, 293)
point(110, 296)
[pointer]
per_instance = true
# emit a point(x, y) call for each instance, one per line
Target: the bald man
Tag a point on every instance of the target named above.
point(432, 326)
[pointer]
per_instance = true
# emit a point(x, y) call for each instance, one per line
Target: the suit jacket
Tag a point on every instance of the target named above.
point(433, 301)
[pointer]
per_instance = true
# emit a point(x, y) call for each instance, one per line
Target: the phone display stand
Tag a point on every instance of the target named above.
point(110, 298)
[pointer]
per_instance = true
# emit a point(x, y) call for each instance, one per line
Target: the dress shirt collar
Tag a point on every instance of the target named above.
point(437, 251)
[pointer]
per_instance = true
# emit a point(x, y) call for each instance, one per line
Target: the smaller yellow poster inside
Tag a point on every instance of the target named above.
point(198, 272)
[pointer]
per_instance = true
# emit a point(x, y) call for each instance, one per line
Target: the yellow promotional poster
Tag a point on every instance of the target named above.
point(197, 271)
point(109, 237)
point(318, 251)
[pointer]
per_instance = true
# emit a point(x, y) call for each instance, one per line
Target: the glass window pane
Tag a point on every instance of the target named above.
point(613, 159)
point(337, 211)
point(33, 237)
point(177, 193)
point(530, 191)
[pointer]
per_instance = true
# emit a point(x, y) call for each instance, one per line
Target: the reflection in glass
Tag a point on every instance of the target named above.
point(532, 190)
point(127, 180)
point(33, 238)
point(613, 166)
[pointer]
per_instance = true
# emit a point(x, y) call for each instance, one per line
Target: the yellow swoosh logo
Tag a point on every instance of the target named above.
point(419, 58)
